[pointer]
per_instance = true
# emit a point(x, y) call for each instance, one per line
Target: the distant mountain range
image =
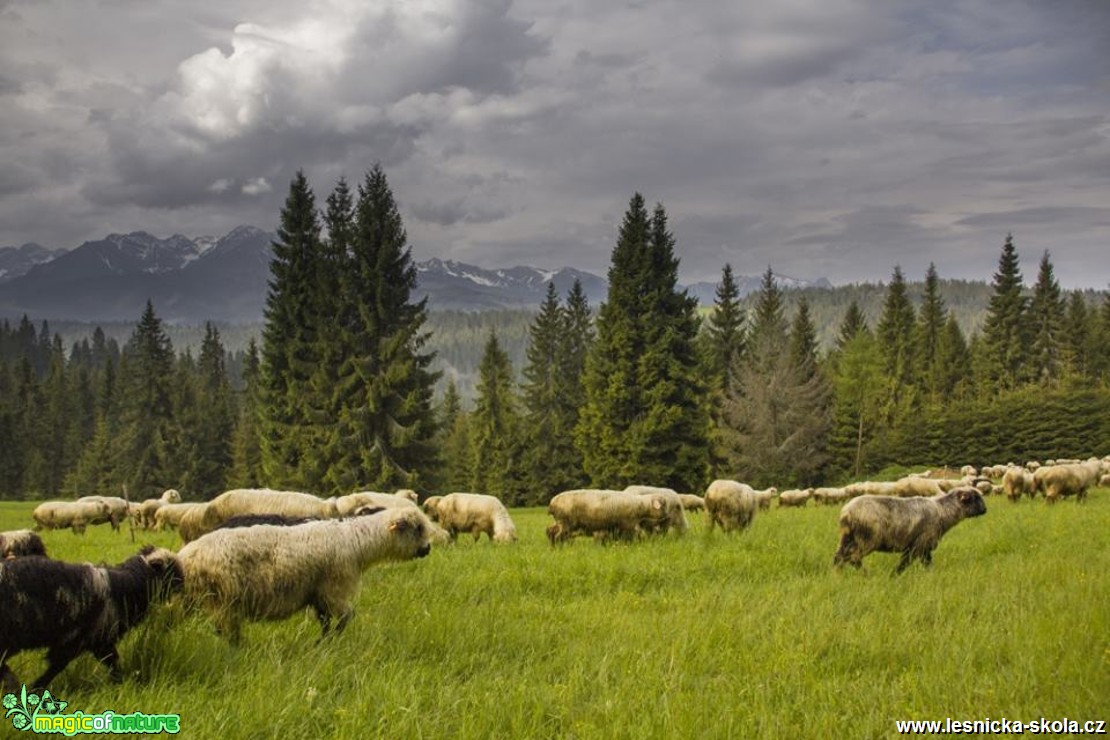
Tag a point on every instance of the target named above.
point(225, 279)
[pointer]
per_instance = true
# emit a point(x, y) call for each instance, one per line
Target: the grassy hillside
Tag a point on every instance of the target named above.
point(702, 636)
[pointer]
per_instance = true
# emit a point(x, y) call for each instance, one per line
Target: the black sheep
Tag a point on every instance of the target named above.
point(69, 608)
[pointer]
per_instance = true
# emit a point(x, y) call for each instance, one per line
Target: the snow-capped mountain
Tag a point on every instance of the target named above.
point(17, 261)
point(226, 279)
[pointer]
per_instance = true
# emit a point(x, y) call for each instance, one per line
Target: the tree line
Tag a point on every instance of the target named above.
point(340, 393)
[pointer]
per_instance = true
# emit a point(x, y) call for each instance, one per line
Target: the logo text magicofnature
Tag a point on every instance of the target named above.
point(29, 711)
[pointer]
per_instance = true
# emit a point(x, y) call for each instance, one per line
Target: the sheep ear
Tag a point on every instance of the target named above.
point(399, 525)
point(657, 504)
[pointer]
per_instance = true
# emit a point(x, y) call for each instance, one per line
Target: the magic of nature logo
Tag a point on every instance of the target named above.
point(46, 714)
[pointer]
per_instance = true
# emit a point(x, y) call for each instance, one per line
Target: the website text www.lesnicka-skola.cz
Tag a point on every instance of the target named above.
point(1002, 726)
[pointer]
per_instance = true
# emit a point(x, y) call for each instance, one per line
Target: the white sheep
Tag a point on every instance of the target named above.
point(604, 514)
point(795, 498)
point(475, 513)
point(169, 516)
point(346, 505)
point(271, 572)
point(1017, 481)
point(242, 501)
point(118, 509)
point(676, 515)
point(692, 502)
point(912, 526)
point(75, 515)
point(1068, 479)
point(730, 505)
point(148, 508)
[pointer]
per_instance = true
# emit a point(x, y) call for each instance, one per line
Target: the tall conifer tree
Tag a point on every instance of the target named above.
point(645, 417)
point(384, 437)
point(290, 351)
point(1046, 326)
point(1004, 331)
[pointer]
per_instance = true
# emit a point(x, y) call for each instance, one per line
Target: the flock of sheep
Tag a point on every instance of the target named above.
point(257, 554)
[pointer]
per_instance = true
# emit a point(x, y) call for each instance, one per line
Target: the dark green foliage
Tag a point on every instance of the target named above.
point(930, 327)
point(857, 410)
point(723, 334)
point(852, 324)
point(1005, 331)
point(1080, 329)
point(1046, 327)
point(775, 420)
point(289, 349)
point(383, 438)
point(803, 340)
point(145, 461)
point(551, 398)
point(645, 419)
point(246, 443)
point(494, 428)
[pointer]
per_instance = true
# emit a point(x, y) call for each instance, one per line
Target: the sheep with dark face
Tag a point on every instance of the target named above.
point(69, 608)
point(268, 572)
point(21, 543)
point(911, 526)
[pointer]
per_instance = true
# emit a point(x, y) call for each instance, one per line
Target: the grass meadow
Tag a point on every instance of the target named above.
point(707, 636)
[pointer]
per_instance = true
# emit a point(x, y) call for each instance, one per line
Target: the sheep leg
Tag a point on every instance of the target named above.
point(58, 657)
point(109, 656)
point(8, 680)
point(845, 551)
point(907, 558)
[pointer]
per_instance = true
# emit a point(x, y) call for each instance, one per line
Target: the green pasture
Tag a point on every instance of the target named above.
point(702, 636)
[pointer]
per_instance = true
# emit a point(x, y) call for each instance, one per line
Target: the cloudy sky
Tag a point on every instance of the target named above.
point(826, 138)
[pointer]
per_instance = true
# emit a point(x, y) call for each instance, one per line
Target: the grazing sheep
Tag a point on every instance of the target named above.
point(1017, 481)
point(169, 516)
point(1104, 481)
point(830, 496)
point(149, 508)
point(191, 524)
point(692, 502)
point(20, 543)
point(118, 510)
point(1070, 479)
point(969, 470)
point(475, 513)
point(676, 516)
point(911, 526)
point(730, 505)
point(604, 514)
point(75, 515)
point(911, 486)
point(765, 497)
point(276, 520)
point(346, 505)
point(69, 608)
point(264, 501)
point(795, 498)
point(269, 572)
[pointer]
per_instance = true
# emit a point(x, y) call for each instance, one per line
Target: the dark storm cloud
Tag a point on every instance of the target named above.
point(831, 138)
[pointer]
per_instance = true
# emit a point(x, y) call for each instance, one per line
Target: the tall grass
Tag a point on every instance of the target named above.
point(703, 636)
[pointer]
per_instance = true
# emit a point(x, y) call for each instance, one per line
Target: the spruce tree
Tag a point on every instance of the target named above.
point(246, 444)
point(857, 408)
point(953, 375)
point(216, 418)
point(645, 419)
point(454, 433)
point(289, 350)
point(724, 332)
point(384, 437)
point(803, 340)
point(852, 324)
point(1004, 331)
point(146, 462)
point(1046, 326)
point(494, 426)
point(1079, 330)
point(930, 326)
point(550, 455)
